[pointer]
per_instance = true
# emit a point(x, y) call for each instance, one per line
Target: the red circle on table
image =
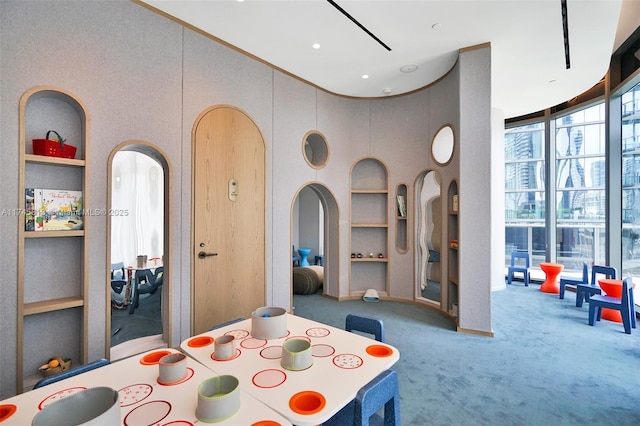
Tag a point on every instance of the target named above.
point(59, 395)
point(322, 350)
point(253, 343)
point(271, 352)
point(238, 334)
point(266, 423)
point(199, 342)
point(6, 411)
point(134, 393)
point(153, 358)
point(347, 361)
point(270, 378)
point(379, 350)
point(318, 332)
point(179, 422)
point(148, 413)
point(307, 402)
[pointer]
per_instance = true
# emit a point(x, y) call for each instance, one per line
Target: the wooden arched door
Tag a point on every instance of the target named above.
point(228, 216)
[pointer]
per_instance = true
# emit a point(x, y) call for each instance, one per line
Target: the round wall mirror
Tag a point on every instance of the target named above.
point(315, 149)
point(442, 146)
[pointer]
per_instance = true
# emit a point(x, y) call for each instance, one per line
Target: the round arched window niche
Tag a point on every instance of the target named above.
point(315, 149)
point(443, 145)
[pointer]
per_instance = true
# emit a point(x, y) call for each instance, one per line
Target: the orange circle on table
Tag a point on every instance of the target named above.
point(6, 411)
point(266, 423)
point(153, 357)
point(307, 402)
point(379, 350)
point(199, 342)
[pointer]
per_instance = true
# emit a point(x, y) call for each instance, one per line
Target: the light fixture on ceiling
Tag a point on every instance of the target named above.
point(565, 32)
point(316, 46)
point(355, 21)
point(387, 91)
point(436, 26)
point(409, 68)
point(365, 76)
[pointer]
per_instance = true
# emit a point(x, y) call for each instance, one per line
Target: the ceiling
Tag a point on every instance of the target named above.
point(527, 44)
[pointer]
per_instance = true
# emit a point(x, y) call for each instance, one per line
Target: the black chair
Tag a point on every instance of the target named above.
point(585, 291)
point(519, 263)
point(118, 285)
point(623, 304)
point(72, 372)
point(365, 324)
point(146, 282)
point(574, 281)
point(224, 324)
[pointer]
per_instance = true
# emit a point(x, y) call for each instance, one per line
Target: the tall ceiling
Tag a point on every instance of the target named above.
point(382, 38)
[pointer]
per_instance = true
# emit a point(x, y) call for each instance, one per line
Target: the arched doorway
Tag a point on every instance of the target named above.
point(137, 225)
point(328, 236)
point(228, 184)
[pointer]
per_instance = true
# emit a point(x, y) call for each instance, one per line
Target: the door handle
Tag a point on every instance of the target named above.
point(202, 255)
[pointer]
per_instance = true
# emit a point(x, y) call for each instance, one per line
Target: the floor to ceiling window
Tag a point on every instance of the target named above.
point(578, 140)
point(572, 176)
point(580, 187)
point(525, 191)
point(631, 185)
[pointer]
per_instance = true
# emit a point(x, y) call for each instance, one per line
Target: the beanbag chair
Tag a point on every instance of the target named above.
point(305, 281)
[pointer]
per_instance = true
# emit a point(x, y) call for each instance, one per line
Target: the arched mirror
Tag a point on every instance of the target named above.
point(138, 240)
point(442, 145)
point(428, 214)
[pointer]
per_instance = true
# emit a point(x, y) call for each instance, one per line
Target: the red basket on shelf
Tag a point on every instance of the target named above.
point(53, 148)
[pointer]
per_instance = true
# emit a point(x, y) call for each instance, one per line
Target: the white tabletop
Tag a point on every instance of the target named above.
point(341, 365)
point(142, 398)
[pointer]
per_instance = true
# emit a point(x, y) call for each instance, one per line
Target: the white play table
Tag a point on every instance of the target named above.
point(343, 362)
point(142, 399)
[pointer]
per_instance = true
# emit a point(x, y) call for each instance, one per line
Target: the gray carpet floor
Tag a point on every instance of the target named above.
point(146, 320)
point(544, 366)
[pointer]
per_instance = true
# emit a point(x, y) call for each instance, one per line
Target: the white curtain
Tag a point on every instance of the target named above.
point(137, 191)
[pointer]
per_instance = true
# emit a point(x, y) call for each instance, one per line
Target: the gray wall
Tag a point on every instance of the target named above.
point(145, 77)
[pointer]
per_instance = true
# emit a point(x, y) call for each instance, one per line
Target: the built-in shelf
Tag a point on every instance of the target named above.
point(52, 305)
point(402, 211)
point(369, 226)
point(452, 232)
point(42, 159)
point(53, 234)
point(369, 259)
point(54, 269)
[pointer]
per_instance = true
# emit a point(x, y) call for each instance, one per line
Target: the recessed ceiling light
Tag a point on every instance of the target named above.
point(409, 68)
point(387, 91)
point(365, 76)
point(316, 45)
